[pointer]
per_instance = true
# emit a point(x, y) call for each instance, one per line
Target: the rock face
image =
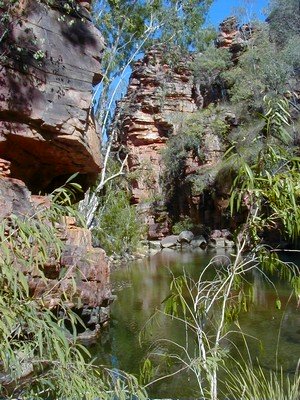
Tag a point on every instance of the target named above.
point(233, 37)
point(163, 92)
point(159, 98)
point(83, 264)
point(150, 113)
point(51, 61)
point(87, 265)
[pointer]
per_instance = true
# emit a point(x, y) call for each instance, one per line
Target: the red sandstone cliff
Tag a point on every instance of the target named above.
point(161, 94)
point(149, 115)
point(50, 61)
point(158, 99)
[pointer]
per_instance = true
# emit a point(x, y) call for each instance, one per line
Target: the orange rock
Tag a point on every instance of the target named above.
point(46, 129)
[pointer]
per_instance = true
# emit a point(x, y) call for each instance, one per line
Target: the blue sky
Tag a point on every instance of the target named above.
point(221, 9)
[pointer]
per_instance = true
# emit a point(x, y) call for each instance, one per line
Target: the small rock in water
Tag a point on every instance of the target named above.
point(199, 241)
point(185, 237)
point(169, 241)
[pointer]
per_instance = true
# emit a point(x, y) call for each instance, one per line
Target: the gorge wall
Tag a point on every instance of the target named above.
point(156, 96)
point(162, 94)
point(50, 61)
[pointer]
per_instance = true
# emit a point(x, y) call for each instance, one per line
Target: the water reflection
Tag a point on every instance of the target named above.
point(141, 288)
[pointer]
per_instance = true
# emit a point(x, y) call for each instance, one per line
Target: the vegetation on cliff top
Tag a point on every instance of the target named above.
point(268, 65)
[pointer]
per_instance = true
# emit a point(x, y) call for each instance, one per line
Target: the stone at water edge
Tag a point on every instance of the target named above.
point(216, 243)
point(229, 243)
point(185, 237)
point(198, 241)
point(169, 241)
point(215, 234)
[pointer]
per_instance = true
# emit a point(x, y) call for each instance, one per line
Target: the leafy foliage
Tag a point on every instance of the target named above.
point(125, 23)
point(185, 224)
point(118, 226)
point(209, 65)
point(39, 352)
point(119, 230)
point(284, 21)
point(270, 187)
point(189, 144)
point(255, 383)
point(178, 149)
point(260, 70)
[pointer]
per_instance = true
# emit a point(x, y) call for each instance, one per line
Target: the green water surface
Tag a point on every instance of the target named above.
point(141, 287)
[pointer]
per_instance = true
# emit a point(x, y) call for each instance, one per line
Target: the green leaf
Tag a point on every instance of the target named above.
point(278, 304)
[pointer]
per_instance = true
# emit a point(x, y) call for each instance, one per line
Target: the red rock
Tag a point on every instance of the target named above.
point(159, 97)
point(47, 133)
point(233, 37)
point(46, 127)
point(147, 114)
point(5, 167)
point(80, 263)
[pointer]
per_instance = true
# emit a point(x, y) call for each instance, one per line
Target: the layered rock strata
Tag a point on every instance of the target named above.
point(86, 269)
point(160, 97)
point(151, 112)
point(51, 59)
point(233, 37)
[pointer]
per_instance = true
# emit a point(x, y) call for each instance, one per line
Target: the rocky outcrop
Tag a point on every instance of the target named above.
point(50, 60)
point(160, 98)
point(81, 273)
point(157, 96)
point(86, 265)
point(233, 37)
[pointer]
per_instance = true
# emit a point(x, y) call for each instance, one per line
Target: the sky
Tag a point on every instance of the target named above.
point(222, 9)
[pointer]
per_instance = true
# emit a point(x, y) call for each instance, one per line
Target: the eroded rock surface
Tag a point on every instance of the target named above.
point(160, 97)
point(233, 37)
point(50, 61)
point(151, 112)
point(46, 126)
point(82, 272)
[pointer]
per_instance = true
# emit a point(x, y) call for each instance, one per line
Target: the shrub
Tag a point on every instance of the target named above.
point(40, 356)
point(185, 224)
point(119, 229)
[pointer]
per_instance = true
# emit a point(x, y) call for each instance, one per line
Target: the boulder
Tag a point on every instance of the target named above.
point(169, 241)
point(227, 234)
point(185, 237)
point(229, 243)
point(216, 243)
point(198, 241)
point(215, 234)
point(154, 244)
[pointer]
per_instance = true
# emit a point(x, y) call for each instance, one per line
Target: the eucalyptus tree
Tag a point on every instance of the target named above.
point(129, 28)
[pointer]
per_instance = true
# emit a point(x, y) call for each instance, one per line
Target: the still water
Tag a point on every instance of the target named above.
point(142, 286)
